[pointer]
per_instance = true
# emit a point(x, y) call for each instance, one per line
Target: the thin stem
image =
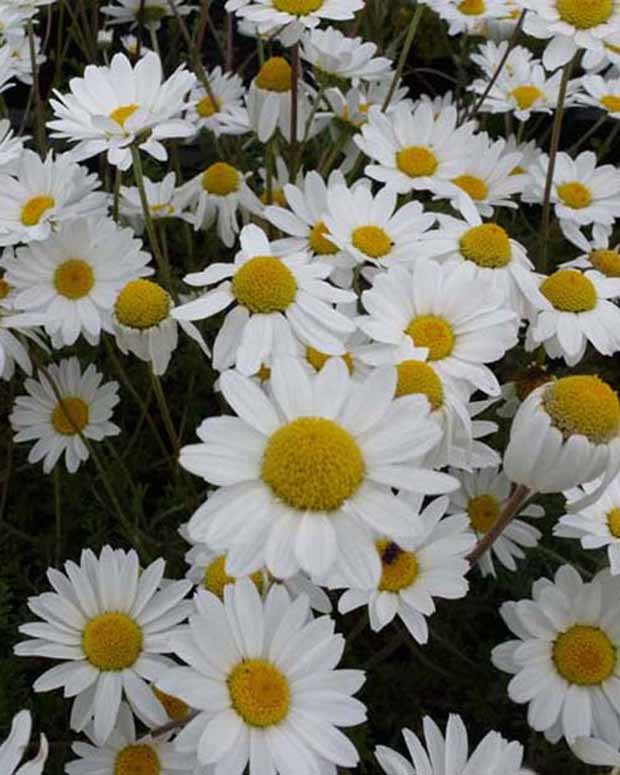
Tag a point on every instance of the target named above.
point(593, 129)
point(154, 41)
point(510, 510)
point(58, 514)
point(165, 413)
point(198, 66)
point(172, 725)
point(230, 41)
point(38, 104)
point(118, 176)
point(404, 54)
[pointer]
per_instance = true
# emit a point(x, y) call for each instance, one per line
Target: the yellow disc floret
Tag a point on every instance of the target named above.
point(216, 579)
point(575, 195)
point(606, 261)
point(472, 7)
point(33, 210)
point(584, 655)
point(583, 405)
point(122, 113)
point(475, 187)
point(585, 14)
point(264, 284)
point(525, 96)
point(207, 107)
point(319, 241)
point(298, 7)
point(71, 416)
point(278, 197)
point(487, 246)
point(137, 759)
point(275, 75)
point(417, 161)
point(483, 511)
point(569, 291)
point(5, 288)
point(313, 464)
point(176, 709)
point(259, 693)
point(142, 304)
point(221, 179)
point(613, 521)
point(373, 241)
point(399, 569)
point(318, 359)
point(419, 377)
point(433, 332)
point(611, 102)
point(74, 278)
point(112, 641)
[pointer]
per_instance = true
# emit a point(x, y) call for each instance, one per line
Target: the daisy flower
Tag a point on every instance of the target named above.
point(598, 253)
point(336, 56)
point(109, 624)
point(210, 112)
point(578, 311)
point(481, 499)
point(413, 150)
point(275, 301)
point(45, 193)
point(11, 149)
point(563, 659)
point(305, 474)
point(446, 309)
point(144, 324)
point(111, 108)
point(280, 177)
point(58, 427)
point(124, 753)
point(13, 748)
point(76, 294)
point(165, 200)
point(12, 349)
point(582, 192)
point(467, 16)
point(596, 752)
point(18, 45)
point(261, 675)
point(603, 93)
point(597, 525)
point(494, 754)
point(416, 570)
point(565, 433)
point(149, 13)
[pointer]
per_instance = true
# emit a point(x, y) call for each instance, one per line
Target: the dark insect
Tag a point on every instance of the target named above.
point(390, 553)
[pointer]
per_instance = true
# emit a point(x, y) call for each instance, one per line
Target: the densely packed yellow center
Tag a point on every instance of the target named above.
point(216, 579)
point(472, 7)
point(275, 75)
point(584, 655)
point(122, 113)
point(259, 692)
point(319, 242)
point(112, 641)
point(569, 291)
point(487, 245)
point(318, 359)
point(606, 261)
point(525, 96)
point(206, 107)
point(74, 278)
point(264, 284)
point(613, 521)
point(419, 377)
point(313, 464)
point(298, 7)
point(575, 195)
point(220, 179)
point(373, 241)
point(176, 709)
point(475, 187)
point(142, 304)
point(611, 102)
point(33, 210)
point(71, 416)
point(417, 161)
point(585, 14)
point(483, 511)
point(137, 759)
point(583, 405)
point(399, 568)
point(433, 332)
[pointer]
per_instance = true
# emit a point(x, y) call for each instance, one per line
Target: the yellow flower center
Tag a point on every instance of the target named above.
point(161, 210)
point(112, 641)
point(5, 288)
point(585, 14)
point(613, 521)
point(264, 284)
point(487, 245)
point(584, 655)
point(569, 291)
point(313, 464)
point(176, 709)
point(319, 242)
point(221, 179)
point(318, 359)
point(33, 210)
point(483, 511)
point(432, 332)
point(472, 7)
point(264, 373)
point(417, 161)
point(74, 278)
point(399, 569)
point(216, 578)
point(583, 405)
point(275, 75)
point(142, 304)
point(122, 113)
point(373, 241)
point(137, 759)
point(206, 107)
point(419, 377)
point(298, 7)
point(278, 197)
point(575, 195)
point(525, 96)
point(611, 102)
point(606, 261)
point(259, 693)
point(475, 187)
point(71, 416)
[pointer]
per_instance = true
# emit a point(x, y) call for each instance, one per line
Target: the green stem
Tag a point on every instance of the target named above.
point(58, 514)
point(165, 413)
point(404, 54)
point(38, 105)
